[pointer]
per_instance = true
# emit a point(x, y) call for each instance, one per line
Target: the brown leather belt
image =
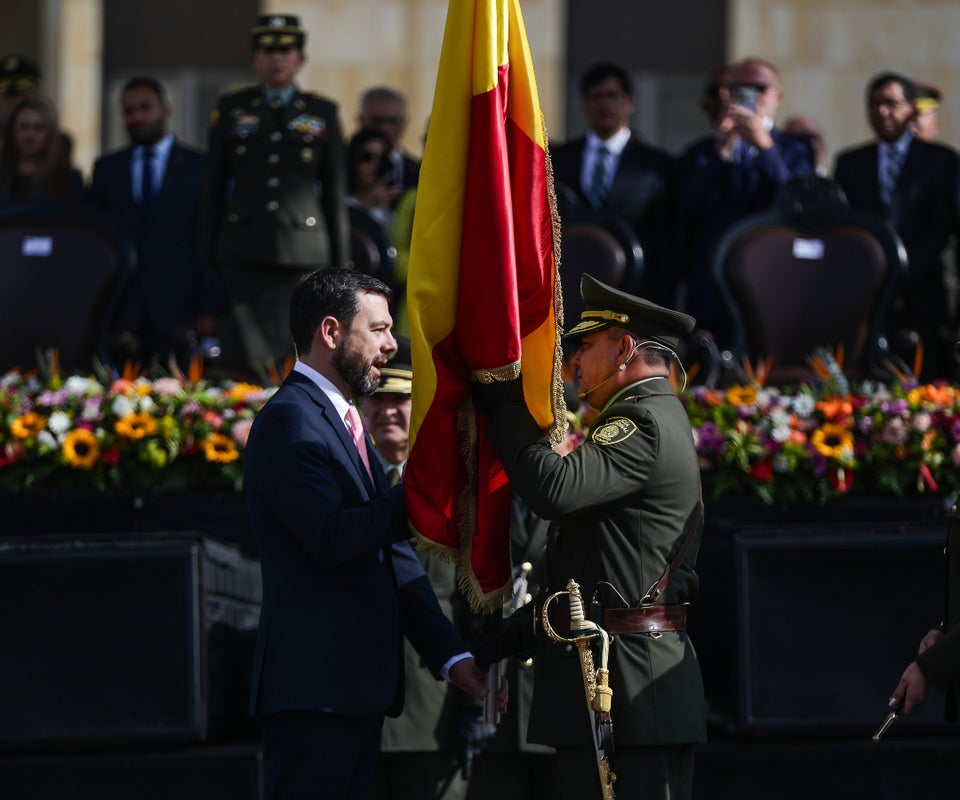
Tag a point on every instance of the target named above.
point(645, 619)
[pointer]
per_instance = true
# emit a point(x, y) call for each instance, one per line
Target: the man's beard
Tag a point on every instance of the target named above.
point(354, 369)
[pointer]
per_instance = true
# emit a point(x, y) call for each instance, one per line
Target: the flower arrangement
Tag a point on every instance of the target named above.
point(128, 433)
point(817, 444)
point(784, 445)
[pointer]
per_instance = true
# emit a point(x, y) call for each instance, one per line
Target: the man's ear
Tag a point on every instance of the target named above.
point(329, 333)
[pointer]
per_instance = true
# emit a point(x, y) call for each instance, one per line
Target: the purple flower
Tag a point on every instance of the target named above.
point(711, 440)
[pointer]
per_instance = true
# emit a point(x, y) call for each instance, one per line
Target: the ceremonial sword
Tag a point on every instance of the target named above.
point(595, 681)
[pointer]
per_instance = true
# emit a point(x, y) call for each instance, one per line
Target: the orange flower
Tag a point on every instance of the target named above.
point(135, 426)
point(28, 425)
point(239, 391)
point(742, 395)
point(220, 448)
point(836, 408)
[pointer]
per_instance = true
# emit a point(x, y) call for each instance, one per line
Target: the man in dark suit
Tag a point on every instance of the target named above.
point(610, 170)
point(627, 520)
point(385, 110)
point(153, 190)
point(734, 172)
point(912, 184)
point(275, 194)
point(341, 586)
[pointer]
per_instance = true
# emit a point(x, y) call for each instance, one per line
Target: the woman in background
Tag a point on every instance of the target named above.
point(34, 166)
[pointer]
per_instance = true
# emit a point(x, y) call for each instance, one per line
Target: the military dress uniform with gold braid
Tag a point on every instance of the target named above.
point(621, 505)
point(274, 207)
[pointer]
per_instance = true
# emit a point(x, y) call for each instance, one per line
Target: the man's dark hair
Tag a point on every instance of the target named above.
point(881, 80)
point(598, 73)
point(146, 82)
point(328, 293)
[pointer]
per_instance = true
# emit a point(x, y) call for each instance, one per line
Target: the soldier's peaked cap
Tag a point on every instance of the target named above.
point(605, 307)
point(277, 31)
point(397, 376)
point(17, 75)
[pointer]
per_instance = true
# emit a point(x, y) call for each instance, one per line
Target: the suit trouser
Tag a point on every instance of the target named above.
point(313, 755)
point(662, 772)
point(256, 332)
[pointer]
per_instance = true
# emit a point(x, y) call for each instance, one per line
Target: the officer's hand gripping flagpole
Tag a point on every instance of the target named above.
point(595, 681)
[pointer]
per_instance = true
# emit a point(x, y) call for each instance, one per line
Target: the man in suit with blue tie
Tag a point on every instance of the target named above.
point(153, 191)
point(730, 174)
point(610, 170)
point(912, 184)
point(341, 585)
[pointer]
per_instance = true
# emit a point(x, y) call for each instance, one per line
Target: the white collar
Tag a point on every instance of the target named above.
point(340, 403)
point(614, 144)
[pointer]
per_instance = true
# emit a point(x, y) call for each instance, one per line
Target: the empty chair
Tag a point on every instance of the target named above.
point(810, 273)
point(63, 270)
point(598, 244)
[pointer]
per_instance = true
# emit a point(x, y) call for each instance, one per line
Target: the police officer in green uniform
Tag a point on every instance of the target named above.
point(274, 197)
point(627, 519)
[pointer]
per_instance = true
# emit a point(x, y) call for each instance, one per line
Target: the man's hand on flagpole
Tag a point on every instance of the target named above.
point(466, 675)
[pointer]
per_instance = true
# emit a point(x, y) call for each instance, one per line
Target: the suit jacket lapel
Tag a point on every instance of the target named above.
point(340, 430)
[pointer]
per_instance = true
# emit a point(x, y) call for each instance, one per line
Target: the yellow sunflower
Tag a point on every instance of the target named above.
point(741, 395)
point(220, 448)
point(239, 391)
point(135, 426)
point(81, 448)
point(28, 425)
point(832, 440)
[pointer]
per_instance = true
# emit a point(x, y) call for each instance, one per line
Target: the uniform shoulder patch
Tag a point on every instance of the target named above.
point(614, 431)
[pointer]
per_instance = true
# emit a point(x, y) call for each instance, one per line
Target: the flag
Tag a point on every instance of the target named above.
point(482, 289)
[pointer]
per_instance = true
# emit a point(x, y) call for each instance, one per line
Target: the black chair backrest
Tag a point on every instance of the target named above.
point(599, 245)
point(63, 271)
point(810, 273)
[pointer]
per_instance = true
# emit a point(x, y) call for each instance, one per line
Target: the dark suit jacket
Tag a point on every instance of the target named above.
point(171, 285)
point(276, 182)
point(713, 196)
point(621, 502)
point(642, 194)
point(923, 212)
point(341, 586)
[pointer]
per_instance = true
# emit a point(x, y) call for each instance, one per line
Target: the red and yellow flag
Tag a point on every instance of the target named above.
point(482, 288)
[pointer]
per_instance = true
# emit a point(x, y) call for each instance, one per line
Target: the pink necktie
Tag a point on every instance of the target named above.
point(356, 432)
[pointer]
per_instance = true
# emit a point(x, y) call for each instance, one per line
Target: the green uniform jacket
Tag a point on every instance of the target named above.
point(940, 664)
point(276, 183)
point(621, 501)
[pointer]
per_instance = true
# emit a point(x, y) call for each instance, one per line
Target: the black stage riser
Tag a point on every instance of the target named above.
point(124, 639)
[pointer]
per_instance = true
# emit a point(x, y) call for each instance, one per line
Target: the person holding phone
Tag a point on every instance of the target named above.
point(370, 180)
point(733, 172)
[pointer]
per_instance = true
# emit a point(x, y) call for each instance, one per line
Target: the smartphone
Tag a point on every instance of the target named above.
point(745, 96)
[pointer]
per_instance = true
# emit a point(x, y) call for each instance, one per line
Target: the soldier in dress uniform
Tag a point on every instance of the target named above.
point(627, 519)
point(274, 204)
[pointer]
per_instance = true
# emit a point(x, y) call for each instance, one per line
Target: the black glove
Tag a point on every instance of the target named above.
point(490, 643)
point(487, 396)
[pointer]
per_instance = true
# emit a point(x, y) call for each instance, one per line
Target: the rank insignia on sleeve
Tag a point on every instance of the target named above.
point(614, 431)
